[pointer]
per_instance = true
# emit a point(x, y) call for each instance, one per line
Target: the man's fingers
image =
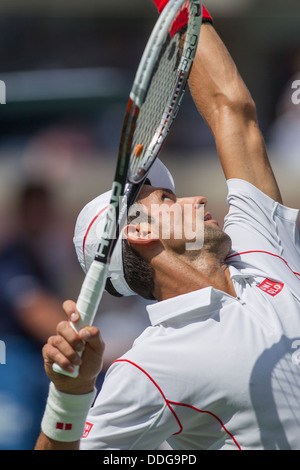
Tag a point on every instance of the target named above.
point(93, 352)
point(52, 354)
point(69, 307)
point(70, 342)
point(91, 335)
point(66, 347)
point(59, 350)
point(66, 331)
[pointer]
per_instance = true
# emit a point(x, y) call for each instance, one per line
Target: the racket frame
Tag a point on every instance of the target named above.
point(126, 184)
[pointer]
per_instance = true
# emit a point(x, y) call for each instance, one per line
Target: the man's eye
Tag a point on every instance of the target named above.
point(166, 197)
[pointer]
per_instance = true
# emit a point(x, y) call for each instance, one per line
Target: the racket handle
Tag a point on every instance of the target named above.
point(87, 303)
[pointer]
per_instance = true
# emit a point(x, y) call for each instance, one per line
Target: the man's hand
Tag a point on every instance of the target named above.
point(65, 348)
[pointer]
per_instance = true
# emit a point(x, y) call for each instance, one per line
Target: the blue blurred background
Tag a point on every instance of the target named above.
point(68, 67)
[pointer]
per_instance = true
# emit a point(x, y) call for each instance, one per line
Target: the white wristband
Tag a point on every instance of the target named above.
point(65, 414)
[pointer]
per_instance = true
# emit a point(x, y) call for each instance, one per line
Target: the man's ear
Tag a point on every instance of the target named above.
point(140, 234)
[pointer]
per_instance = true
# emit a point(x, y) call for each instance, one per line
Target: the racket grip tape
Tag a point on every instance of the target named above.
point(87, 304)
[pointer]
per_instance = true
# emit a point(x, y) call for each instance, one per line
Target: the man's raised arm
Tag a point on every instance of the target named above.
point(226, 105)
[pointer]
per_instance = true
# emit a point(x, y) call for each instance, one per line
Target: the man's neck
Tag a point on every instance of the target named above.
point(178, 277)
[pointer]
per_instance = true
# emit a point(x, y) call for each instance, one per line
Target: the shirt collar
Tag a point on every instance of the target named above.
point(194, 304)
point(200, 303)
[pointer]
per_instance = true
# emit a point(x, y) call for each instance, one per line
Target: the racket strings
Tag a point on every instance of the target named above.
point(164, 86)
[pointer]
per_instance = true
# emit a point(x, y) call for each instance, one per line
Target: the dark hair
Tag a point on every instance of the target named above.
point(138, 272)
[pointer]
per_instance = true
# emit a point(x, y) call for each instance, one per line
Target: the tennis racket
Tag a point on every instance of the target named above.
point(153, 104)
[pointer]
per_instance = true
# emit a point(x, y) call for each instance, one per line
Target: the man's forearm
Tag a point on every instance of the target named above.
point(214, 79)
point(225, 103)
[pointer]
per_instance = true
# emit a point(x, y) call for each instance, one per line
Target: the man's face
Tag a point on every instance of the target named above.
point(181, 224)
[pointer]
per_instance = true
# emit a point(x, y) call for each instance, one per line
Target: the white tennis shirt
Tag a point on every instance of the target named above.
point(213, 371)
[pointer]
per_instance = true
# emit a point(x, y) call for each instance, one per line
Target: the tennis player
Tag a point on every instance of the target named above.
point(216, 369)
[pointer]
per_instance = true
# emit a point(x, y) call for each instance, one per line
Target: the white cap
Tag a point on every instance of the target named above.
point(90, 226)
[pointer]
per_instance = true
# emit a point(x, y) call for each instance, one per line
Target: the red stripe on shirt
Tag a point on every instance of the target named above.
point(264, 252)
point(169, 403)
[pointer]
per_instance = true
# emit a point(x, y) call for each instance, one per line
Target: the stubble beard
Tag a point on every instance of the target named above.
point(216, 242)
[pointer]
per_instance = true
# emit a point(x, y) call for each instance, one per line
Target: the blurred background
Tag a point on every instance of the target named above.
point(68, 66)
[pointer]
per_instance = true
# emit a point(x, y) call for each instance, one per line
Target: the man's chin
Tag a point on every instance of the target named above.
point(213, 224)
point(215, 240)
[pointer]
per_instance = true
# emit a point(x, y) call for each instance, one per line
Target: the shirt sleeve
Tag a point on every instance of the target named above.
point(264, 235)
point(258, 224)
point(130, 412)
